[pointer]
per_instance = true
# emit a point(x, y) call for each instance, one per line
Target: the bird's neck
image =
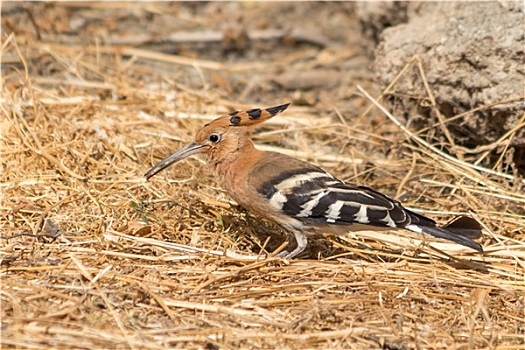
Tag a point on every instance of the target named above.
point(231, 167)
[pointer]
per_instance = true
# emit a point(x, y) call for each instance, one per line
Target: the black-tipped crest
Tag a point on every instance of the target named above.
point(235, 120)
point(277, 109)
point(254, 113)
point(249, 117)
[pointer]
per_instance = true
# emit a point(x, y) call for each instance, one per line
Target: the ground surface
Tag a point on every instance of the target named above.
point(93, 256)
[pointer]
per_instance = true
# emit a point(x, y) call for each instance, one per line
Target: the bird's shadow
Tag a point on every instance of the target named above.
point(263, 237)
point(333, 248)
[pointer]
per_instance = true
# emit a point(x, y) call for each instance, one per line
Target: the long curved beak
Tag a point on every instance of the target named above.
point(184, 152)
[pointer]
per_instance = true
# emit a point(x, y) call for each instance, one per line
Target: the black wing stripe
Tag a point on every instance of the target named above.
point(349, 211)
point(271, 186)
point(324, 202)
point(312, 194)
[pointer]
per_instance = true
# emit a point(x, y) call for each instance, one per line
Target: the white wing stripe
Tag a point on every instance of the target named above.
point(310, 205)
point(278, 199)
point(389, 221)
point(349, 191)
point(414, 228)
point(334, 211)
point(361, 215)
point(297, 180)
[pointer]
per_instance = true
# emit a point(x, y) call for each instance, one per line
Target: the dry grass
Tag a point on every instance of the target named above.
point(93, 256)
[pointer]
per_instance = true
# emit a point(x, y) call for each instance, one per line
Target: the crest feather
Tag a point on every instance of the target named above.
point(250, 117)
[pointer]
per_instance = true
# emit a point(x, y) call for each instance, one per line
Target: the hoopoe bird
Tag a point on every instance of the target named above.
point(300, 197)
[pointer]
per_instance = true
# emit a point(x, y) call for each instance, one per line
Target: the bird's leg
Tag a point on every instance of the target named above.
point(301, 241)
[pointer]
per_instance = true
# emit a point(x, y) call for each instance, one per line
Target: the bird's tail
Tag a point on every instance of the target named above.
point(460, 230)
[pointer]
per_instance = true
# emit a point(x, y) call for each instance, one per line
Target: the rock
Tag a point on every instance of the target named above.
point(473, 55)
point(374, 17)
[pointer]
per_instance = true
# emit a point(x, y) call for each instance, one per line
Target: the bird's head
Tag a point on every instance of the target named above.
point(221, 137)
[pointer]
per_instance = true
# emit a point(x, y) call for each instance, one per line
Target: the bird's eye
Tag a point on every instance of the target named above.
point(215, 138)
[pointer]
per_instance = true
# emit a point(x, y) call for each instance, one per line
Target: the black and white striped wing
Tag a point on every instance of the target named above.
point(312, 194)
point(309, 193)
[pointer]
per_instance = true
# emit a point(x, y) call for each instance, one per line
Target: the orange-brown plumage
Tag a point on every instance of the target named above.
point(300, 197)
